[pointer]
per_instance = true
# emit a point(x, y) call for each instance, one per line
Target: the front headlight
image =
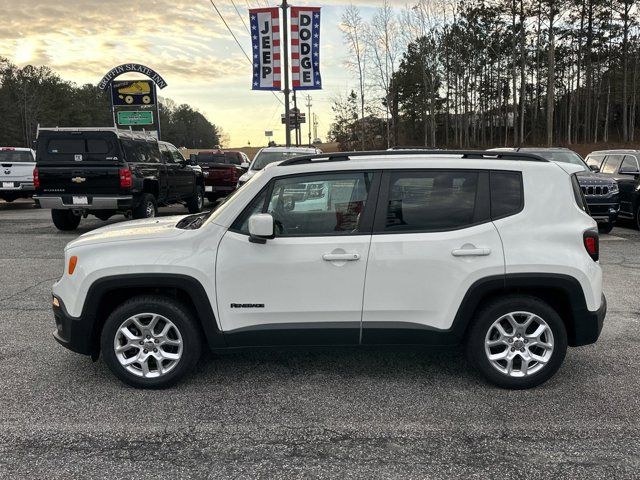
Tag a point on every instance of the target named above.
point(613, 188)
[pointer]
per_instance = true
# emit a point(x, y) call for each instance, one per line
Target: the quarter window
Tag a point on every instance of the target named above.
point(506, 194)
point(431, 200)
point(629, 164)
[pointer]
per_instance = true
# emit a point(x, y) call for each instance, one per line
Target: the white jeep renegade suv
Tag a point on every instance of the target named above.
point(493, 250)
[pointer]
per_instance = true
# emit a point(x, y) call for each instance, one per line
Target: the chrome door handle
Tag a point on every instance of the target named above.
point(341, 257)
point(470, 252)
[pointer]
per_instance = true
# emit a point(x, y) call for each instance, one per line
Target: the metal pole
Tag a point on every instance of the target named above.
point(285, 45)
point(309, 117)
point(296, 124)
point(155, 94)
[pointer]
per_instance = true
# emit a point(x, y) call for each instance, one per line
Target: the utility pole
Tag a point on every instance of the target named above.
point(285, 40)
point(315, 126)
point(309, 117)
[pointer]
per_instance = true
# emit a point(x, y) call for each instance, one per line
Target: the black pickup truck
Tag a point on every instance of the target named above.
point(105, 171)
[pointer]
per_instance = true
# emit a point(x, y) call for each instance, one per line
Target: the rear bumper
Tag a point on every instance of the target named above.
point(17, 187)
point(588, 325)
point(94, 202)
point(218, 189)
point(73, 333)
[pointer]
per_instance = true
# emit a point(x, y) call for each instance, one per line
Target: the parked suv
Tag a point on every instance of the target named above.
point(106, 171)
point(221, 170)
point(16, 173)
point(600, 191)
point(371, 248)
point(268, 155)
point(623, 166)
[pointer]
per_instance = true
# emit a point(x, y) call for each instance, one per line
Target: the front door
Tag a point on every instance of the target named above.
point(305, 285)
point(628, 183)
point(432, 239)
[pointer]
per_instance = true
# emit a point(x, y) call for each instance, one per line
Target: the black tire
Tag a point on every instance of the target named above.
point(146, 207)
point(637, 222)
point(195, 204)
point(8, 199)
point(65, 220)
point(605, 227)
point(494, 310)
point(175, 312)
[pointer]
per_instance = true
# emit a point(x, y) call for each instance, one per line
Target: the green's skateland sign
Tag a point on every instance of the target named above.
point(140, 117)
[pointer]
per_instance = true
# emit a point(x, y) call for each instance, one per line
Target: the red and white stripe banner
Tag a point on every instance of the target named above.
point(265, 39)
point(305, 48)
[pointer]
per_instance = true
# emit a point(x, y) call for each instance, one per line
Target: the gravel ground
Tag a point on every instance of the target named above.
point(326, 413)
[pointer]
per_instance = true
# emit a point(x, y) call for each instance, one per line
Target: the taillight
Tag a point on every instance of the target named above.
point(125, 178)
point(36, 178)
point(592, 244)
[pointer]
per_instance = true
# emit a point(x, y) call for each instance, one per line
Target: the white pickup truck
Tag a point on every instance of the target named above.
point(16, 173)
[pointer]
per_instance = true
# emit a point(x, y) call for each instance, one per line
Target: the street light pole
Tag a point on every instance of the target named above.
point(309, 117)
point(285, 44)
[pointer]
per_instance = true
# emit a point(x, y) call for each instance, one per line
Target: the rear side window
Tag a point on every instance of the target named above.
point(612, 163)
point(432, 200)
point(630, 164)
point(506, 194)
point(234, 158)
point(141, 151)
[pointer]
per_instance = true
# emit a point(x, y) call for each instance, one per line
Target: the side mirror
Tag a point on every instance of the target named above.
point(261, 227)
point(594, 168)
point(244, 165)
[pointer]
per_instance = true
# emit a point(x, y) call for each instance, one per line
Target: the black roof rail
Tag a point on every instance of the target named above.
point(476, 154)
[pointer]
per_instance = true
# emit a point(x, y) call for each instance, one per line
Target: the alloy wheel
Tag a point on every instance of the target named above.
point(519, 344)
point(148, 345)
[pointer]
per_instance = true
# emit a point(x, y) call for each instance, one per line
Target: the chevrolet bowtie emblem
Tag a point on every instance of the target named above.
point(78, 179)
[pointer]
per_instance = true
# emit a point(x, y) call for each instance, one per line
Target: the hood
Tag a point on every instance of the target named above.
point(589, 178)
point(152, 228)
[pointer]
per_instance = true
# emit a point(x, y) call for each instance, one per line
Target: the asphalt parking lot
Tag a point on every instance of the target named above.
point(354, 413)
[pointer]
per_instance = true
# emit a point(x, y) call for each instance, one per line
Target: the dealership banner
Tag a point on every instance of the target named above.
point(265, 39)
point(305, 48)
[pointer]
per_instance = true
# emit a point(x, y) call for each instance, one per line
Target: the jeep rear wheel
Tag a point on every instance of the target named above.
point(65, 220)
point(150, 342)
point(517, 342)
point(146, 208)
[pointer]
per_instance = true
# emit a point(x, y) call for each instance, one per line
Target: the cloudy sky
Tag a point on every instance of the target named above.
point(183, 40)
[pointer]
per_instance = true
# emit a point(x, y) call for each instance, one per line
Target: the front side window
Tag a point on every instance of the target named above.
point(612, 163)
point(166, 155)
point(426, 201)
point(595, 160)
point(312, 205)
point(630, 164)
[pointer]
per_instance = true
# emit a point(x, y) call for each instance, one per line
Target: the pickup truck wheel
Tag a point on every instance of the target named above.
point(146, 208)
point(150, 341)
point(517, 342)
point(605, 227)
point(196, 203)
point(65, 220)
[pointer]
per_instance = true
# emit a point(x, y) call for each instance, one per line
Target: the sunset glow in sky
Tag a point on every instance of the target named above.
point(183, 40)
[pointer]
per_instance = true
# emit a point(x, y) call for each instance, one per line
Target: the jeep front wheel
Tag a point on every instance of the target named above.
point(65, 220)
point(150, 342)
point(517, 342)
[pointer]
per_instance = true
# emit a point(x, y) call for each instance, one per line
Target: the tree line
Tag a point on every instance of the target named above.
point(32, 96)
point(487, 73)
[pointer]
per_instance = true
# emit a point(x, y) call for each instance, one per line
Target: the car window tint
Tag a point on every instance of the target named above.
point(15, 156)
point(431, 200)
point(323, 204)
point(506, 193)
point(629, 163)
point(612, 163)
point(141, 151)
point(66, 145)
point(242, 222)
point(166, 155)
point(177, 156)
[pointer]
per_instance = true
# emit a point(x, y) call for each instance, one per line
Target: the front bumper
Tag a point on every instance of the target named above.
point(94, 202)
point(588, 325)
point(73, 333)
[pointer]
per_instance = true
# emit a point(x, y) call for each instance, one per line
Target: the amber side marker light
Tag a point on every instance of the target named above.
point(73, 261)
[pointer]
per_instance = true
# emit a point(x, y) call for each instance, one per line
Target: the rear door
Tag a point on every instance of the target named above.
point(79, 163)
point(627, 182)
point(432, 239)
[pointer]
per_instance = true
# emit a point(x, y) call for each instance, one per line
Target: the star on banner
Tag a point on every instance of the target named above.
point(316, 15)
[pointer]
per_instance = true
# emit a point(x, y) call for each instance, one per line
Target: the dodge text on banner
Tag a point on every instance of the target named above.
point(305, 48)
point(265, 39)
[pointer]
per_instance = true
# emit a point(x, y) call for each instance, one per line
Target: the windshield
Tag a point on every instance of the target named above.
point(561, 156)
point(265, 158)
point(15, 156)
point(229, 200)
